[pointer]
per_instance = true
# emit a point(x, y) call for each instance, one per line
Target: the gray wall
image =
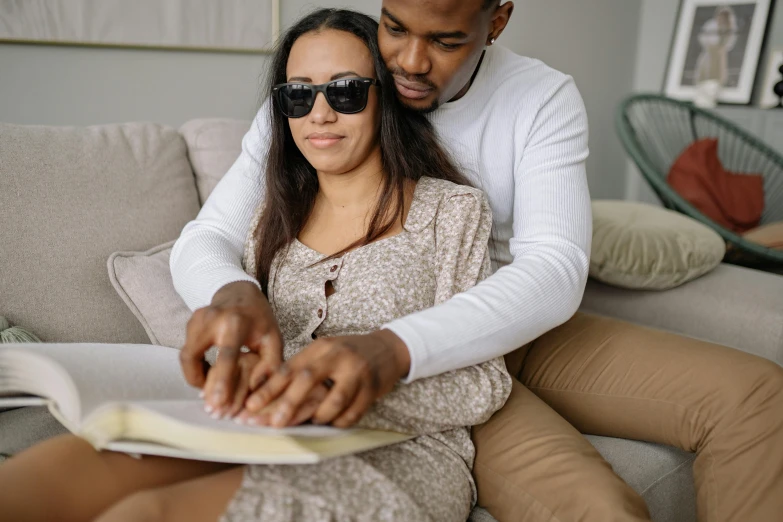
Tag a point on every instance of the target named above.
point(52, 85)
point(594, 41)
point(656, 30)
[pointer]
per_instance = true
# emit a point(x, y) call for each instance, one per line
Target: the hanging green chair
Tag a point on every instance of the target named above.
point(655, 130)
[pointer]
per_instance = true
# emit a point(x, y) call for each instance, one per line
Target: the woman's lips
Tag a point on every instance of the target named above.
point(412, 90)
point(323, 140)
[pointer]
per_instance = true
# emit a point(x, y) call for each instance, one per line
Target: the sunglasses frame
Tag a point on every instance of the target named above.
point(368, 82)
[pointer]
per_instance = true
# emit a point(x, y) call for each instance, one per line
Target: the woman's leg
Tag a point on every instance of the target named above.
point(615, 379)
point(407, 481)
point(202, 499)
point(65, 479)
point(532, 465)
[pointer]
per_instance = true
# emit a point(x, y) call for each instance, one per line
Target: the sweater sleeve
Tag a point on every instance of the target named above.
point(208, 253)
point(543, 286)
point(467, 396)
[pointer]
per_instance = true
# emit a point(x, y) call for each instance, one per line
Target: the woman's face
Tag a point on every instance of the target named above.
point(332, 142)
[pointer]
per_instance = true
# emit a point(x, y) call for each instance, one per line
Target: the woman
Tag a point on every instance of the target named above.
point(351, 234)
point(717, 38)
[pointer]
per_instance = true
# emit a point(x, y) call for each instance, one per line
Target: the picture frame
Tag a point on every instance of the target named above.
point(767, 98)
point(720, 41)
point(233, 26)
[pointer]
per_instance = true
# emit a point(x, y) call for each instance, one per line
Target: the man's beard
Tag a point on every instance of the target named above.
point(425, 110)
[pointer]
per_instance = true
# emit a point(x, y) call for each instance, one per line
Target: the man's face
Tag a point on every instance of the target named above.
point(432, 47)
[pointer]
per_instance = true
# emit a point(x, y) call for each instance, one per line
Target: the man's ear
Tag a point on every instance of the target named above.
point(499, 20)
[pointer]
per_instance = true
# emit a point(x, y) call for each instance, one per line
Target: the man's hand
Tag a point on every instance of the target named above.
point(239, 315)
point(358, 368)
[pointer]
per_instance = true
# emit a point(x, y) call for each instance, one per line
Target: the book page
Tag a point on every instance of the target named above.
point(192, 414)
point(100, 373)
point(182, 429)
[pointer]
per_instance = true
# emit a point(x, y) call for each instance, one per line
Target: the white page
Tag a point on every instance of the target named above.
point(101, 373)
point(192, 413)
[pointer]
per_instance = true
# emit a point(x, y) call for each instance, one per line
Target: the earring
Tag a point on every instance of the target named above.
point(491, 41)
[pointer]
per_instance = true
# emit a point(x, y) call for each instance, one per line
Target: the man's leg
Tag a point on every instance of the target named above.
point(532, 466)
point(611, 378)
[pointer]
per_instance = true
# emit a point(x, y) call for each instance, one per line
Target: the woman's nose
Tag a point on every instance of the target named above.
point(322, 112)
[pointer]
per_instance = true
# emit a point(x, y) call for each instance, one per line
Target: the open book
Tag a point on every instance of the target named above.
point(132, 398)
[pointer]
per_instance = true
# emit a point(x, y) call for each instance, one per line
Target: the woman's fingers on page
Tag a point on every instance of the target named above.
point(259, 374)
point(247, 362)
point(229, 333)
point(270, 390)
point(211, 385)
point(294, 396)
point(224, 375)
point(270, 360)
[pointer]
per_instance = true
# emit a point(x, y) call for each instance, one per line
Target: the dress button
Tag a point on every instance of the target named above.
point(333, 269)
point(320, 313)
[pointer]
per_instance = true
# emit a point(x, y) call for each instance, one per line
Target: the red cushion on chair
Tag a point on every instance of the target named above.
point(734, 201)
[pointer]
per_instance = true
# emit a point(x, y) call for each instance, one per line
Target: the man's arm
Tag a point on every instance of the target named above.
point(542, 288)
point(208, 254)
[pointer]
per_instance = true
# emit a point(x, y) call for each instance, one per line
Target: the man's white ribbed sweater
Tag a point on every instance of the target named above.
point(520, 133)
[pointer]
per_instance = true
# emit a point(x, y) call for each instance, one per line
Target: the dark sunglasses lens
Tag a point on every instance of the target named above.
point(348, 96)
point(295, 100)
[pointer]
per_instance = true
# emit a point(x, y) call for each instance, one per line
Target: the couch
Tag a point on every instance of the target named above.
point(70, 197)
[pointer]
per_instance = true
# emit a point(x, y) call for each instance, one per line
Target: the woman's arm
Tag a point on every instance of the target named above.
point(467, 396)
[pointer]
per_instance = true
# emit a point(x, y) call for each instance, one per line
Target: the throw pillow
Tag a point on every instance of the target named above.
point(143, 281)
point(642, 246)
point(734, 201)
point(15, 334)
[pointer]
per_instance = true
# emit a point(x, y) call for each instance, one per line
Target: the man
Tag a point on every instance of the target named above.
point(519, 128)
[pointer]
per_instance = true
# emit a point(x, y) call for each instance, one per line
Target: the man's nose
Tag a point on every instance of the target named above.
point(413, 58)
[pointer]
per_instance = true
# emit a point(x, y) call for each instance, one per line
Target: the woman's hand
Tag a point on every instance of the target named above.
point(239, 315)
point(241, 379)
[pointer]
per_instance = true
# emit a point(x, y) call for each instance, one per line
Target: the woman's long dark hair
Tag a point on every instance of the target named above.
point(409, 149)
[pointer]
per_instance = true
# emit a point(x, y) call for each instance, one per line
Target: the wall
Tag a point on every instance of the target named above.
point(594, 41)
point(52, 85)
point(658, 19)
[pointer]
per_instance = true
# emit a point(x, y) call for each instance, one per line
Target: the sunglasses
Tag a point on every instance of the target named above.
point(347, 96)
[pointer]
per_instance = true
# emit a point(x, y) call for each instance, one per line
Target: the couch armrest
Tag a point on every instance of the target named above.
point(731, 305)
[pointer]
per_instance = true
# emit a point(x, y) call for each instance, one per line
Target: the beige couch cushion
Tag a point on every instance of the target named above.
point(143, 281)
point(213, 146)
point(731, 305)
point(642, 246)
point(69, 197)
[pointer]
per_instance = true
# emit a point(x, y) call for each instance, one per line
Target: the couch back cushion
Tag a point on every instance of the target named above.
point(213, 146)
point(69, 197)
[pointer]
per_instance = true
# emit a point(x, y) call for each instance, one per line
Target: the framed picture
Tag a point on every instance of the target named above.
point(767, 97)
point(247, 26)
point(718, 41)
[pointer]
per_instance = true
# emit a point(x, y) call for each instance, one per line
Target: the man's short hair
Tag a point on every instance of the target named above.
point(490, 3)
